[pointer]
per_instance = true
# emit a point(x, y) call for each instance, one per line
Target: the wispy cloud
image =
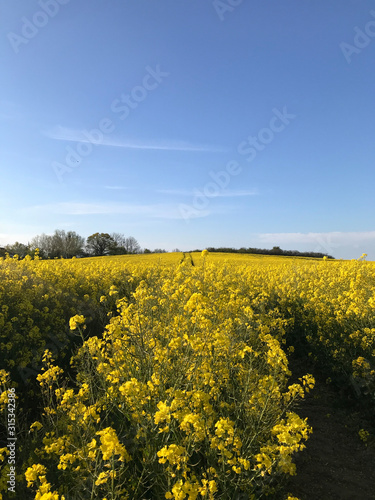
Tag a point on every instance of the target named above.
point(223, 194)
point(337, 237)
point(336, 243)
point(119, 188)
point(78, 135)
point(152, 211)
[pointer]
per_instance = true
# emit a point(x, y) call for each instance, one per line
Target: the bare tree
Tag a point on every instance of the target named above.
point(60, 244)
point(72, 244)
point(119, 239)
point(44, 243)
point(132, 245)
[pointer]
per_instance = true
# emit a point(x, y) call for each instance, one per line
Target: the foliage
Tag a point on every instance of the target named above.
point(17, 249)
point(69, 244)
point(99, 244)
point(274, 251)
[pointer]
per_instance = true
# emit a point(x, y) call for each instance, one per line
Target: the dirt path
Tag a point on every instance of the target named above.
point(336, 464)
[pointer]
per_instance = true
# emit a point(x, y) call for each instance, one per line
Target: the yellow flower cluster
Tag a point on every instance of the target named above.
point(75, 321)
point(37, 473)
point(38, 298)
point(110, 445)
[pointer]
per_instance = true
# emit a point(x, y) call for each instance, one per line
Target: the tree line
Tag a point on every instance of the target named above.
point(273, 251)
point(68, 244)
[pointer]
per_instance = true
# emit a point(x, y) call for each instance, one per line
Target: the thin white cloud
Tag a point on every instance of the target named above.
point(337, 237)
point(77, 135)
point(152, 211)
point(336, 243)
point(223, 194)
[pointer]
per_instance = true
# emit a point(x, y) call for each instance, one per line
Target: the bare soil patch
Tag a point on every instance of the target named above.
point(336, 464)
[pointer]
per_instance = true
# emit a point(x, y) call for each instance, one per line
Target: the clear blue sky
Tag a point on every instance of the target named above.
point(222, 123)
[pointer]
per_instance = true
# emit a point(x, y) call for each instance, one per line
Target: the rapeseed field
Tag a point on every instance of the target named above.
point(167, 376)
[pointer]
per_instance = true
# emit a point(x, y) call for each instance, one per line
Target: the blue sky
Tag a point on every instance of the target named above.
point(190, 123)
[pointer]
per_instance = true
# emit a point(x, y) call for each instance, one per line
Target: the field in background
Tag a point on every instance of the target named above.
point(167, 375)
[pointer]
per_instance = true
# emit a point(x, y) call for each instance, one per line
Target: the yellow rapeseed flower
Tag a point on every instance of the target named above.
point(75, 321)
